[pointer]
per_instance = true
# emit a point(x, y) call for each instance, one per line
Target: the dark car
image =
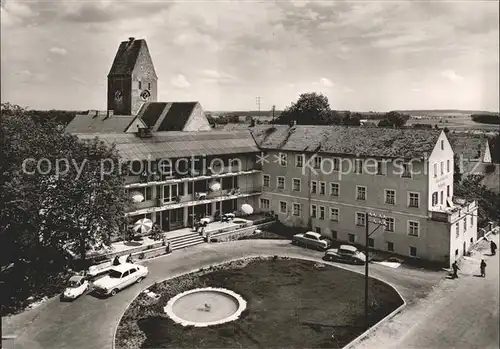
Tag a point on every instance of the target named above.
point(345, 254)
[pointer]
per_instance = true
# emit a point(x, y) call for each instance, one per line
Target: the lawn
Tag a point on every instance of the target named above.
point(291, 304)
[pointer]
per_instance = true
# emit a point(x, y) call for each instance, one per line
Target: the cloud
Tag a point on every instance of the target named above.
point(215, 76)
point(452, 76)
point(326, 82)
point(348, 89)
point(180, 81)
point(78, 80)
point(58, 51)
point(28, 76)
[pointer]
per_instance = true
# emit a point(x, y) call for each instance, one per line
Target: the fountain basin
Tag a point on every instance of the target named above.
point(202, 307)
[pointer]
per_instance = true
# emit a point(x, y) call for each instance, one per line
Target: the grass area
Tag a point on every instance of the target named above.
point(291, 304)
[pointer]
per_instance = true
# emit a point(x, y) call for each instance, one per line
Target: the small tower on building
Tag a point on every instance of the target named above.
point(132, 79)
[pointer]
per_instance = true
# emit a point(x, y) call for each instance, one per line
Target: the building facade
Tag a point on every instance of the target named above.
point(329, 178)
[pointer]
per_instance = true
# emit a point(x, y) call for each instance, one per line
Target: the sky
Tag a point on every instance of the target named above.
point(363, 55)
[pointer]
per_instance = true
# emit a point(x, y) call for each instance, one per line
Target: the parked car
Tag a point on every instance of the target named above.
point(119, 277)
point(77, 285)
point(311, 239)
point(346, 254)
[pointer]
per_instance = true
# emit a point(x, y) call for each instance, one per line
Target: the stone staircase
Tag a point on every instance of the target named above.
point(187, 240)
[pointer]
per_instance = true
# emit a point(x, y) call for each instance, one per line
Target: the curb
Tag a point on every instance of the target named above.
point(291, 256)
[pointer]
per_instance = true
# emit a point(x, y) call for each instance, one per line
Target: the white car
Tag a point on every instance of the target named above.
point(119, 277)
point(77, 285)
point(311, 239)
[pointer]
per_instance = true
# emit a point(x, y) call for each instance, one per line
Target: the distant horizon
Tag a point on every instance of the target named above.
point(362, 55)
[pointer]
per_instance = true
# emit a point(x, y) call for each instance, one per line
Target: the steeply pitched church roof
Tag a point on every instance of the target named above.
point(348, 140)
point(471, 147)
point(166, 116)
point(99, 121)
point(126, 57)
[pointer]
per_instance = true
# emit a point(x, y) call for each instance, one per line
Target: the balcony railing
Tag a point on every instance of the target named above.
point(138, 182)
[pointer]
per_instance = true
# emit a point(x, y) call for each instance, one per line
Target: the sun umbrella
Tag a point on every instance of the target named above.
point(137, 197)
point(247, 209)
point(143, 225)
point(215, 186)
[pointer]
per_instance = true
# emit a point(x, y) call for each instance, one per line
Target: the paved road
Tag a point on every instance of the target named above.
point(90, 322)
point(458, 314)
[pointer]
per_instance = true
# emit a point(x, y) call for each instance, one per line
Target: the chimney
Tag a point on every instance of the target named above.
point(144, 133)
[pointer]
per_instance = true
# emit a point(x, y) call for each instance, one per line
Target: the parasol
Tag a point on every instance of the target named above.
point(143, 226)
point(137, 197)
point(247, 209)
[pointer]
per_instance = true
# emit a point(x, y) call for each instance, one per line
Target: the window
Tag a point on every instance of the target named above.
point(148, 193)
point(371, 242)
point(389, 225)
point(283, 207)
point(336, 164)
point(314, 187)
point(282, 159)
point(434, 198)
point(390, 196)
point(266, 180)
point(413, 250)
point(406, 171)
point(322, 188)
point(127, 273)
point(334, 189)
point(471, 221)
point(435, 170)
point(334, 235)
point(412, 228)
point(457, 230)
point(441, 197)
point(334, 214)
point(264, 204)
point(442, 145)
point(296, 184)
point(413, 200)
point(358, 166)
point(447, 191)
point(133, 270)
point(317, 161)
point(140, 85)
point(360, 192)
point(390, 246)
point(313, 211)
point(360, 219)
point(351, 238)
point(299, 160)
point(380, 168)
point(442, 167)
point(447, 165)
point(318, 230)
point(280, 182)
point(322, 212)
point(149, 86)
point(465, 224)
point(297, 209)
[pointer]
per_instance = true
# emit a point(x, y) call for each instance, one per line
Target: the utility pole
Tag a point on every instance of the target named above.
point(258, 100)
point(274, 110)
point(379, 221)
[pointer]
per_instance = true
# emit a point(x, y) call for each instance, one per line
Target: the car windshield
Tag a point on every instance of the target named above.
point(73, 284)
point(115, 274)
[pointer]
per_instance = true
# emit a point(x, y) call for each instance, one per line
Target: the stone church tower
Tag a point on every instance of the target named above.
point(132, 80)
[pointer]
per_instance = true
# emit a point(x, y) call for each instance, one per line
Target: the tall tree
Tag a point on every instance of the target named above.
point(310, 109)
point(394, 119)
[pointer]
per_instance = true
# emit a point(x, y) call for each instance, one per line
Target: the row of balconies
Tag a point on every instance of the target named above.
point(198, 198)
point(155, 179)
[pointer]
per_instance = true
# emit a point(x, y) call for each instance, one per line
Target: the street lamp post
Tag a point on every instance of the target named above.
point(380, 221)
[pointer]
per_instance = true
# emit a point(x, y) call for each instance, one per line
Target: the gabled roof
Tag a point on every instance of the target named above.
point(166, 116)
point(471, 147)
point(99, 122)
point(162, 145)
point(126, 57)
point(347, 140)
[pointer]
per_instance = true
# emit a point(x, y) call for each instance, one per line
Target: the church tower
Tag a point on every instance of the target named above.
point(132, 79)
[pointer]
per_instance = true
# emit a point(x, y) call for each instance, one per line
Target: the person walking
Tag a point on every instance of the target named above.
point(455, 268)
point(493, 247)
point(483, 268)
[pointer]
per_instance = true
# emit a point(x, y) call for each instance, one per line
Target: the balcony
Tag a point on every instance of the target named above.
point(460, 209)
point(136, 181)
point(198, 198)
